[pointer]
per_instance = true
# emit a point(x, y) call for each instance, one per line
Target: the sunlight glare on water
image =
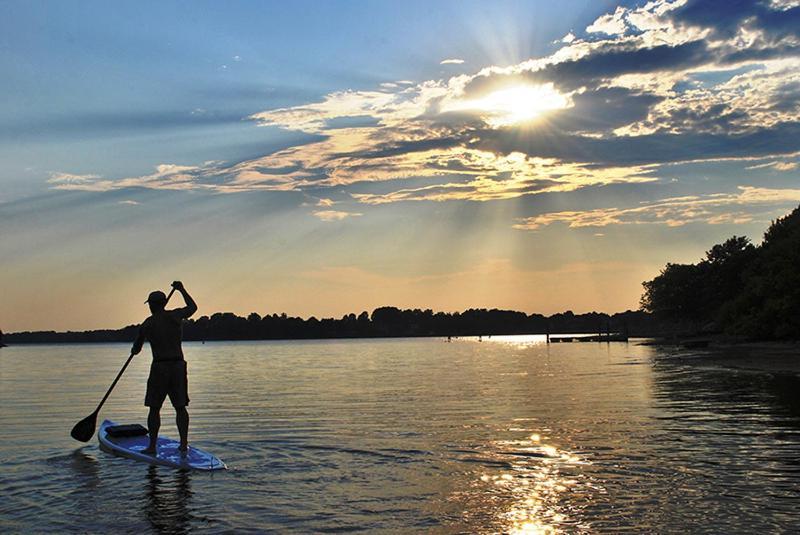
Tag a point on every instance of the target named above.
point(520, 340)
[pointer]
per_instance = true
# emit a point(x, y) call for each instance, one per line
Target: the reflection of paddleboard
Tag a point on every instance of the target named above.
point(168, 453)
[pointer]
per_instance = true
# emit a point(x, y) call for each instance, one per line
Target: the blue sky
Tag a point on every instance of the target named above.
point(328, 157)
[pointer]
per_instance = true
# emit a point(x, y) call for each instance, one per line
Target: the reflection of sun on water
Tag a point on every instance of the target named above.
point(514, 104)
point(536, 487)
point(516, 340)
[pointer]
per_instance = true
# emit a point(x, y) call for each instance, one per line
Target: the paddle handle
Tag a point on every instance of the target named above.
point(116, 380)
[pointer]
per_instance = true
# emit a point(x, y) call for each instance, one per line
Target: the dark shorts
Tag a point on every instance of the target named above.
point(167, 379)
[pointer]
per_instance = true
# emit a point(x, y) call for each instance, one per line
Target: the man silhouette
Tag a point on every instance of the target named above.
point(168, 369)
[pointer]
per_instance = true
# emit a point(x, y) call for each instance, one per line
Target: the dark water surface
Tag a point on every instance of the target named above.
point(414, 435)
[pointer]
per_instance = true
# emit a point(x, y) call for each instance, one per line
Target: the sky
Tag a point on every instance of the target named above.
point(321, 158)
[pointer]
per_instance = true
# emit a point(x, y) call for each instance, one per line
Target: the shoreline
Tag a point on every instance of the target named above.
point(765, 357)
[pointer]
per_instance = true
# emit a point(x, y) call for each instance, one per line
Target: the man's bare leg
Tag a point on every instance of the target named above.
point(182, 419)
point(153, 425)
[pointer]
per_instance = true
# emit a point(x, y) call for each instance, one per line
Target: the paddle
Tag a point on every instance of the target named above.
point(84, 430)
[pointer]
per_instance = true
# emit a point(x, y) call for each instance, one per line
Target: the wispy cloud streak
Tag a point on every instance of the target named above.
point(334, 215)
point(712, 209)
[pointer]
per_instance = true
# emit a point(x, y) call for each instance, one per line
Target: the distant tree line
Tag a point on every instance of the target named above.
point(383, 322)
point(741, 289)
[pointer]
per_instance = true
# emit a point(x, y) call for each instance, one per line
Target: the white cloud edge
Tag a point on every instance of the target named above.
point(334, 215)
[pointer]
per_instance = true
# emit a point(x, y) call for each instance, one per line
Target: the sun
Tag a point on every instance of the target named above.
point(515, 104)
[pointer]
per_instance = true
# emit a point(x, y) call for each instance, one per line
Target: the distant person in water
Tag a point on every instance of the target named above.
point(168, 369)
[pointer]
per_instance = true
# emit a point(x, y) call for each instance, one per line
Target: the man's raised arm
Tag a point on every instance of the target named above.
point(191, 306)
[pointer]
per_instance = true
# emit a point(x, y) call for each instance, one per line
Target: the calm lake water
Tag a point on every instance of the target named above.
point(411, 435)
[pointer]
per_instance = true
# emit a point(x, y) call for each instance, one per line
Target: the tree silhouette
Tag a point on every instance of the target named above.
point(738, 287)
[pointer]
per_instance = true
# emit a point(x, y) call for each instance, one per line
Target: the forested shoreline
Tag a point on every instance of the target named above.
point(382, 322)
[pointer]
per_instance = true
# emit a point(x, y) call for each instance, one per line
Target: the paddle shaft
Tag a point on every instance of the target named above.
point(108, 393)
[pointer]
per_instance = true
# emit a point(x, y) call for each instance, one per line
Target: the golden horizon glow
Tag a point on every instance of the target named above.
point(515, 104)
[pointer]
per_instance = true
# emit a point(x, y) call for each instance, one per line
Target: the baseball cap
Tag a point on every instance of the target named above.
point(156, 297)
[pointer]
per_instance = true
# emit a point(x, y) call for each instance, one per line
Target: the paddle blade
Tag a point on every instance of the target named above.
point(84, 430)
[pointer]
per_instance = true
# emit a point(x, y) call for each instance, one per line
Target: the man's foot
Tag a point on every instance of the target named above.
point(183, 448)
point(149, 451)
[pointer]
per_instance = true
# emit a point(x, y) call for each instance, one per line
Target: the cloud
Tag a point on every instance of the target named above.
point(452, 61)
point(784, 4)
point(785, 166)
point(774, 20)
point(489, 177)
point(334, 215)
point(612, 24)
point(778, 166)
point(129, 202)
point(166, 176)
point(624, 111)
point(67, 179)
point(643, 87)
point(712, 209)
point(652, 148)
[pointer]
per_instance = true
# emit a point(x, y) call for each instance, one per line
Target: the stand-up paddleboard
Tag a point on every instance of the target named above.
point(168, 452)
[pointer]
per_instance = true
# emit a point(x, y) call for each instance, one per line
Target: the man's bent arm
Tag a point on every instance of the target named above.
point(191, 306)
point(140, 338)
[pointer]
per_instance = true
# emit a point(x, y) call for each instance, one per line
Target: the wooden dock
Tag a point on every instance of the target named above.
point(566, 338)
